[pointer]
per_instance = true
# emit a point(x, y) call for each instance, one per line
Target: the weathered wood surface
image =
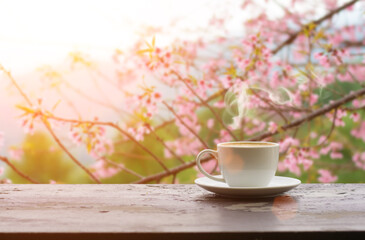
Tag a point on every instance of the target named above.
point(323, 211)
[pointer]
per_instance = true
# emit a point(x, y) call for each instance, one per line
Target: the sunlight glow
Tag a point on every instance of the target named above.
point(37, 32)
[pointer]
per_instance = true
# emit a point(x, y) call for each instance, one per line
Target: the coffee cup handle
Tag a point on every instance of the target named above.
point(198, 159)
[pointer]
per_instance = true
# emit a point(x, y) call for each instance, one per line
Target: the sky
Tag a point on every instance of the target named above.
point(39, 31)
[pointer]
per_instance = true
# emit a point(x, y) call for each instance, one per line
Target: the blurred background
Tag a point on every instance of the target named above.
point(67, 53)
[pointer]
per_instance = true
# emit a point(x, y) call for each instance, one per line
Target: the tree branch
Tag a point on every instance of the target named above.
point(314, 114)
point(174, 170)
point(58, 141)
point(219, 119)
point(121, 167)
point(12, 166)
point(8, 74)
point(115, 126)
point(164, 144)
point(183, 123)
point(292, 37)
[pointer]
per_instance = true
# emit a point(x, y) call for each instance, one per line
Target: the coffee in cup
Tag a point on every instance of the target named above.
point(244, 164)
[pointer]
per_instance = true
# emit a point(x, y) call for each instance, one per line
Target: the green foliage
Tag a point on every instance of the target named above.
point(44, 161)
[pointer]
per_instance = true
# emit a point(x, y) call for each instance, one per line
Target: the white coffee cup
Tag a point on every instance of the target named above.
point(244, 164)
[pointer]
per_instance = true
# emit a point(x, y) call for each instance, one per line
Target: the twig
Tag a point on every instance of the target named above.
point(219, 119)
point(314, 114)
point(331, 130)
point(183, 123)
point(139, 144)
point(123, 168)
point(91, 99)
point(58, 141)
point(115, 126)
point(268, 102)
point(8, 74)
point(164, 144)
point(5, 160)
point(292, 37)
point(174, 170)
point(173, 179)
point(164, 124)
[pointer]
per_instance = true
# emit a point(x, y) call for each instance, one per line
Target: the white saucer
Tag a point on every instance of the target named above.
point(277, 186)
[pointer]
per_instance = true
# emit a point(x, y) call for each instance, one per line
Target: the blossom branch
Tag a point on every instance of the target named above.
point(314, 114)
point(46, 123)
point(273, 107)
point(115, 126)
point(15, 169)
point(219, 119)
point(8, 74)
point(164, 144)
point(292, 37)
point(189, 128)
point(58, 141)
point(331, 130)
point(174, 170)
point(121, 167)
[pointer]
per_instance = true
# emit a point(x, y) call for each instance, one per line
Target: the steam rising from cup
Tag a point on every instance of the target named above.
point(238, 102)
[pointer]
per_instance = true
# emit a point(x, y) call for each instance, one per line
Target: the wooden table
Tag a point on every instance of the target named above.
point(311, 211)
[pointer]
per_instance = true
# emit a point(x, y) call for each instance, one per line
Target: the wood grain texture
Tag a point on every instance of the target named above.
point(132, 211)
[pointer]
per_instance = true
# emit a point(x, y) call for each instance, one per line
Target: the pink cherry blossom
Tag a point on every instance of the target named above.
point(281, 166)
point(333, 148)
point(224, 137)
point(359, 160)
point(313, 134)
point(355, 116)
point(357, 103)
point(94, 138)
point(102, 170)
point(27, 124)
point(331, 4)
point(359, 132)
point(322, 139)
point(326, 176)
point(313, 98)
point(257, 126)
point(323, 59)
point(288, 142)
point(16, 153)
point(291, 163)
point(167, 153)
point(341, 113)
point(209, 166)
point(210, 123)
point(75, 136)
point(346, 77)
point(139, 132)
point(336, 155)
point(272, 127)
point(313, 154)
point(101, 147)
